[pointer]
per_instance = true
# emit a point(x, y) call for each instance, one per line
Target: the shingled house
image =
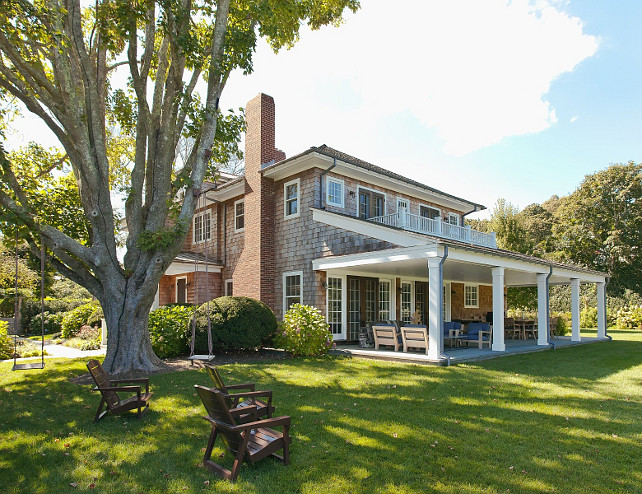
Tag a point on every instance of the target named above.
point(357, 241)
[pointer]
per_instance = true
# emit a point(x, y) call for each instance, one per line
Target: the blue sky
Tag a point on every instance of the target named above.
point(482, 99)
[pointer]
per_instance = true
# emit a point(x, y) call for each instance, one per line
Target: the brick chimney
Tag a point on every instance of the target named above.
point(254, 275)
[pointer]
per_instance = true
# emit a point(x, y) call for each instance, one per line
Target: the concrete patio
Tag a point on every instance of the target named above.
point(454, 356)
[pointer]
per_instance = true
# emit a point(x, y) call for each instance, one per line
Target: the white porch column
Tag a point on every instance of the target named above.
point(601, 309)
point(498, 344)
point(542, 309)
point(435, 291)
point(575, 309)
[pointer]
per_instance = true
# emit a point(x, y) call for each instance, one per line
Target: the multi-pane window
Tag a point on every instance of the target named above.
point(239, 215)
point(471, 296)
point(428, 212)
point(371, 204)
point(334, 312)
point(229, 288)
point(371, 300)
point(202, 229)
point(384, 300)
point(403, 204)
point(406, 302)
point(354, 308)
point(335, 192)
point(291, 198)
point(453, 219)
point(291, 289)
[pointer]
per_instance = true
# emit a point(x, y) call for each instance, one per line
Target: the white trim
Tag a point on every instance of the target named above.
point(235, 203)
point(287, 216)
point(476, 286)
point(447, 287)
point(410, 282)
point(456, 216)
point(380, 192)
point(206, 227)
point(339, 181)
point(403, 199)
point(176, 288)
point(344, 307)
point(292, 273)
point(227, 283)
point(393, 297)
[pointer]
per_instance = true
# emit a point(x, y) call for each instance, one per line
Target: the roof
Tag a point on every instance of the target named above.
point(339, 155)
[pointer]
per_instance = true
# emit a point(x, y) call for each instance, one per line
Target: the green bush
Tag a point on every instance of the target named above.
point(629, 317)
point(96, 317)
point(588, 317)
point(76, 318)
point(53, 323)
point(563, 322)
point(6, 343)
point(238, 323)
point(170, 330)
point(31, 307)
point(304, 331)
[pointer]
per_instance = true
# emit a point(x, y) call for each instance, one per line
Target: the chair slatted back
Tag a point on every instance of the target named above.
point(217, 408)
point(216, 378)
point(101, 378)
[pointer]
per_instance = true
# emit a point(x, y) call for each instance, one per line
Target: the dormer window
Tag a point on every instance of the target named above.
point(202, 227)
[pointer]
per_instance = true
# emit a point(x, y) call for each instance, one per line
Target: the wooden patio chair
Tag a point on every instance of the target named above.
point(530, 329)
point(249, 397)
point(452, 333)
point(252, 441)
point(414, 336)
point(510, 329)
point(109, 389)
point(478, 333)
point(386, 334)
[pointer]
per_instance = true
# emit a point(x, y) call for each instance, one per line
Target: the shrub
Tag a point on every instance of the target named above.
point(238, 323)
point(629, 317)
point(170, 330)
point(87, 338)
point(588, 317)
point(53, 323)
point(76, 318)
point(96, 317)
point(6, 343)
point(563, 322)
point(305, 331)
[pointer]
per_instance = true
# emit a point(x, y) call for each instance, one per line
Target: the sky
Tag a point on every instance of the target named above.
point(481, 99)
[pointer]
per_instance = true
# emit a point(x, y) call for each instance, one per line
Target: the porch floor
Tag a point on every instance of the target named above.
point(453, 356)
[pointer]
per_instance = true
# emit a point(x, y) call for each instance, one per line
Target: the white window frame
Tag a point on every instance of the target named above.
point(392, 301)
point(412, 297)
point(447, 300)
point(285, 295)
point(206, 227)
point(296, 181)
point(428, 206)
point(176, 288)
point(380, 192)
point(228, 282)
point(341, 183)
point(456, 218)
point(403, 200)
point(471, 285)
point(235, 216)
point(344, 307)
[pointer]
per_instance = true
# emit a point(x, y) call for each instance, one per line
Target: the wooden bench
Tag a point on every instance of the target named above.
point(414, 336)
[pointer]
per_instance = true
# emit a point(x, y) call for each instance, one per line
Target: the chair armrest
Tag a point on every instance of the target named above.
point(142, 380)
point(249, 386)
point(284, 420)
point(117, 388)
point(253, 409)
point(252, 394)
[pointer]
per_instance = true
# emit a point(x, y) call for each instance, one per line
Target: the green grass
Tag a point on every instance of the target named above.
point(565, 421)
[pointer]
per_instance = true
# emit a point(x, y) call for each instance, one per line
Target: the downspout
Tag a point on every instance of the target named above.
point(610, 338)
point(548, 307)
point(321, 195)
point(441, 301)
point(463, 216)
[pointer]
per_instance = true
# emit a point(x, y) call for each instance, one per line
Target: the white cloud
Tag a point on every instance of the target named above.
point(473, 72)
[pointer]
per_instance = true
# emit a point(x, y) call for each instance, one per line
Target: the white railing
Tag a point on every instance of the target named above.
point(415, 223)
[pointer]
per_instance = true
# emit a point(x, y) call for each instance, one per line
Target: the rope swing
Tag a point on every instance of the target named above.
point(201, 202)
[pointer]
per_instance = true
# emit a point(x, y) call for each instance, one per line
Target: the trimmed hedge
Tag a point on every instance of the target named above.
point(237, 323)
point(170, 330)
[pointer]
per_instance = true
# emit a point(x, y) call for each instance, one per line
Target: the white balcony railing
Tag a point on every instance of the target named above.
point(415, 223)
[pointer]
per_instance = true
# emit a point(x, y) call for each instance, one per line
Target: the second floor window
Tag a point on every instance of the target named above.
point(239, 215)
point(428, 212)
point(291, 192)
point(453, 219)
point(335, 192)
point(202, 228)
point(371, 204)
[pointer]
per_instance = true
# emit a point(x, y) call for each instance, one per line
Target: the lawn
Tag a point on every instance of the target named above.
point(564, 421)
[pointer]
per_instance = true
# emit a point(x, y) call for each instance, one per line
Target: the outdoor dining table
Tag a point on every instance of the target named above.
point(522, 325)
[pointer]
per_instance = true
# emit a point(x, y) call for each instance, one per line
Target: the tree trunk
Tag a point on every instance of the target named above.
point(129, 350)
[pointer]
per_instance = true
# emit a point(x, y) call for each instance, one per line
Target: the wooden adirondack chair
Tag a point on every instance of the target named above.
point(250, 397)
point(252, 441)
point(109, 388)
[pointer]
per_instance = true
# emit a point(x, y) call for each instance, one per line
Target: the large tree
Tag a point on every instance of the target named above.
point(600, 225)
point(58, 60)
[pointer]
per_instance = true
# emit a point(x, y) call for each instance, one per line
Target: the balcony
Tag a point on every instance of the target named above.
point(418, 224)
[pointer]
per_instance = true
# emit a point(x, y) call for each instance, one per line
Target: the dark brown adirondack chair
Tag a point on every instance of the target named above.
point(109, 388)
point(250, 397)
point(252, 441)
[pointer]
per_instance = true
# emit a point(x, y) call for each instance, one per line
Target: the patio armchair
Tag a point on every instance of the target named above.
point(479, 333)
point(414, 336)
point(452, 332)
point(386, 334)
point(510, 329)
point(530, 329)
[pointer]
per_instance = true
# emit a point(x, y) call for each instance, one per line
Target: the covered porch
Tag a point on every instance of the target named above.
point(445, 281)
